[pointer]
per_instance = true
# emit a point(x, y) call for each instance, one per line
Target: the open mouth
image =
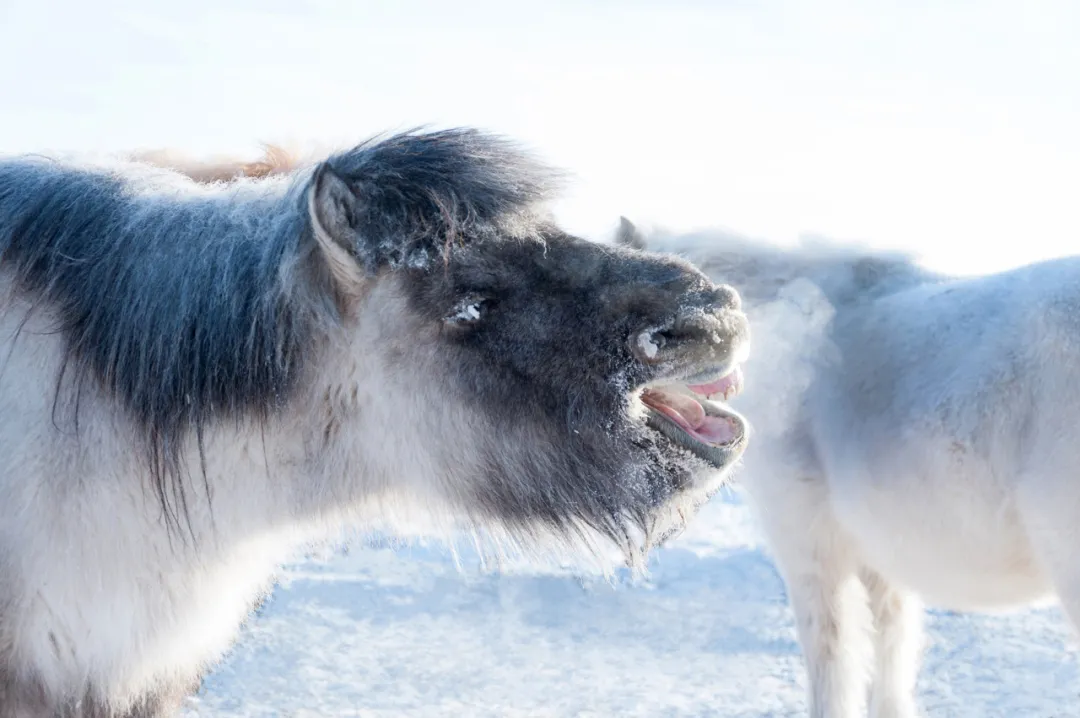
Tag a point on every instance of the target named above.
point(688, 414)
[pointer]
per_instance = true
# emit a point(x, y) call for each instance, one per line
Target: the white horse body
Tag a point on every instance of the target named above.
point(177, 603)
point(924, 452)
point(943, 431)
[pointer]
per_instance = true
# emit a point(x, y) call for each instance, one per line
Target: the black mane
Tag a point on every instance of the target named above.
point(190, 304)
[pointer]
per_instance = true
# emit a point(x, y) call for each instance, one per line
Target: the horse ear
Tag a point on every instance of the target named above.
point(333, 207)
point(628, 235)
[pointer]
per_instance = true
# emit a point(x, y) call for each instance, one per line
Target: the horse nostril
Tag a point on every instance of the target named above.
point(708, 320)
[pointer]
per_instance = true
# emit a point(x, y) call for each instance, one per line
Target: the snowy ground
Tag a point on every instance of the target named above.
point(382, 632)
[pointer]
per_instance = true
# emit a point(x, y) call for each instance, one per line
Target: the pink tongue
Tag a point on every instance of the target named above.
point(687, 413)
point(689, 410)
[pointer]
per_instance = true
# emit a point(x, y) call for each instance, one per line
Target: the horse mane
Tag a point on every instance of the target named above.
point(190, 303)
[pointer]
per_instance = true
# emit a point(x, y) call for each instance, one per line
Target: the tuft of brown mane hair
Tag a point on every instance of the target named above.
point(275, 160)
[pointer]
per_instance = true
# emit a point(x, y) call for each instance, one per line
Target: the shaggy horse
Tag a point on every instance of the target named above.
point(195, 379)
point(912, 442)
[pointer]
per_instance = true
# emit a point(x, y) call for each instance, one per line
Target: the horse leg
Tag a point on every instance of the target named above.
point(898, 645)
point(828, 604)
point(1050, 521)
point(819, 567)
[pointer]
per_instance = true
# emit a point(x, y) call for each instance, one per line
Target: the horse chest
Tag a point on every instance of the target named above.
point(126, 628)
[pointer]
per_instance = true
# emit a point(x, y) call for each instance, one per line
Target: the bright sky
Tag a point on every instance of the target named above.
point(946, 126)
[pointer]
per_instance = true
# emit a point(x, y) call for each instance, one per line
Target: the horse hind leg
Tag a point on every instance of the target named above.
point(1049, 514)
point(898, 645)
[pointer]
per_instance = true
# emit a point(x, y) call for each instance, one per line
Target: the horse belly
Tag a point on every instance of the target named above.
point(963, 550)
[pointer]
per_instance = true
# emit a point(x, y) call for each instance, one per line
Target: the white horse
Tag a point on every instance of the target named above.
point(195, 379)
point(913, 441)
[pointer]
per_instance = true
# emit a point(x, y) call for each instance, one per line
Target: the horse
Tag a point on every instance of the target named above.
point(198, 378)
point(912, 445)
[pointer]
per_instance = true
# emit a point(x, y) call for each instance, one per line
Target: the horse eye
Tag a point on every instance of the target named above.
point(467, 311)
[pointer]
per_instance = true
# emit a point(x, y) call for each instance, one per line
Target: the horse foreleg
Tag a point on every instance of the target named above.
point(821, 572)
point(827, 611)
point(898, 645)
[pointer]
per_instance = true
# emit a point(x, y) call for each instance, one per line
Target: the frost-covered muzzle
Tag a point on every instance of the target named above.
point(697, 362)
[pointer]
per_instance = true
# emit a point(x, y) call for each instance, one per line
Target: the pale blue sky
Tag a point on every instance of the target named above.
point(950, 127)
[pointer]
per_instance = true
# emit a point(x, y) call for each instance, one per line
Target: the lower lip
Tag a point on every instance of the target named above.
point(719, 456)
